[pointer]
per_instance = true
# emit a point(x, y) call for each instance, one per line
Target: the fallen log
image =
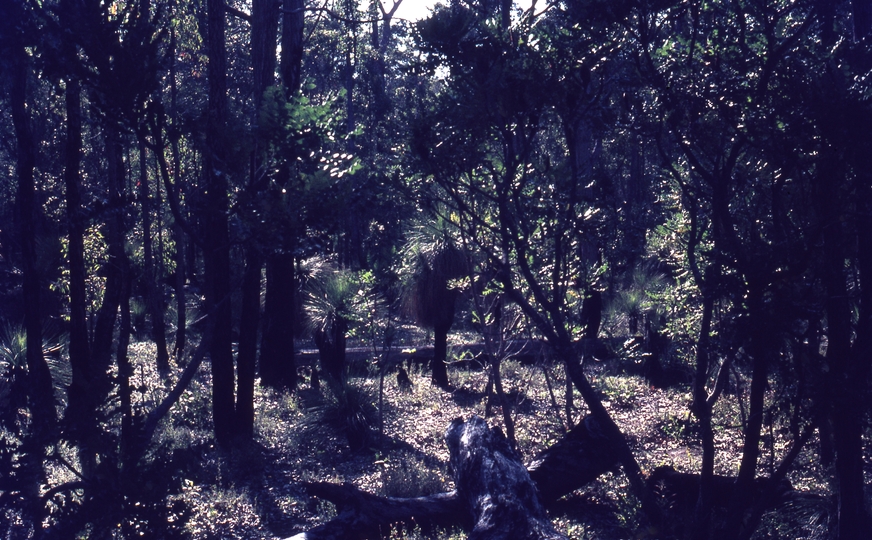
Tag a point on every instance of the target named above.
point(494, 485)
point(580, 457)
point(364, 515)
point(679, 492)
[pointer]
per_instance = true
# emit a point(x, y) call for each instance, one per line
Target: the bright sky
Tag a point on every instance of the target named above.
point(414, 10)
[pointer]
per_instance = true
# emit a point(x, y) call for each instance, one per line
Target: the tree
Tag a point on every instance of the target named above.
point(430, 297)
point(17, 26)
point(485, 145)
point(216, 236)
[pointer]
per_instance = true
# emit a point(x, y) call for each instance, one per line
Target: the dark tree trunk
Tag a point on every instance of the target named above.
point(125, 371)
point(292, 44)
point(847, 368)
point(41, 397)
point(277, 364)
point(180, 257)
point(80, 415)
point(580, 457)
point(702, 409)
point(39, 383)
point(113, 232)
point(439, 366)
point(861, 11)
point(612, 433)
point(246, 359)
point(216, 235)
point(264, 28)
point(331, 346)
point(364, 515)
point(679, 493)
point(153, 293)
point(761, 347)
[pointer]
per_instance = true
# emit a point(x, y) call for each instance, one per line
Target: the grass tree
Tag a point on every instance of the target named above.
point(435, 262)
point(331, 304)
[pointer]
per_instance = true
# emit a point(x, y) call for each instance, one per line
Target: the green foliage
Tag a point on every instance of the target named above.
point(13, 347)
point(333, 297)
point(621, 391)
point(432, 267)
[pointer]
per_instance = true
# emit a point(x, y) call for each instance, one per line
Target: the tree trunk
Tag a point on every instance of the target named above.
point(761, 347)
point(613, 433)
point(216, 235)
point(439, 366)
point(246, 359)
point(702, 409)
point(679, 493)
point(292, 45)
point(578, 458)
point(178, 233)
point(277, 364)
point(494, 485)
point(80, 415)
point(113, 232)
point(39, 383)
point(125, 371)
point(152, 291)
point(331, 348)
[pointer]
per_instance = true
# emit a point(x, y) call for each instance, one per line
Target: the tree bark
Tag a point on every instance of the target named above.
point(216, 234)
point(494, 485)
point(578, 458)
point(80, 415)
point(153, 299)
point(277, 365)
point(292, 45)
point(439, 366)
point(246, 359)
point(113, 231)
point(39, 383)
point(172, 195)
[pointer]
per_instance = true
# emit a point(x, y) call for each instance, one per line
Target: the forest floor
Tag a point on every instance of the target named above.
point(256, 492)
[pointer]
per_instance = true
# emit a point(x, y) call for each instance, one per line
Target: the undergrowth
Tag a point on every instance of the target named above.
point(343, 433)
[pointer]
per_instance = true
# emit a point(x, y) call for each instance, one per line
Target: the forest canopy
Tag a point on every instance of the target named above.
point(256, 255)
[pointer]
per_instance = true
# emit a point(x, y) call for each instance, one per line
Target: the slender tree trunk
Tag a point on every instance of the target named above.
point(125, 371)
point(264, 30)
point(42, 400)
point(80, 415)
point(277, 363)
point(623, 454)
point(216, 234)
point(703, 412)
point(152, 289)
point(246, 359)
point(761, 348)
point(845, 385)
point(40, 396)
point(439, 366)
point(292, 44)
point(113, 232)
point(179, 238)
